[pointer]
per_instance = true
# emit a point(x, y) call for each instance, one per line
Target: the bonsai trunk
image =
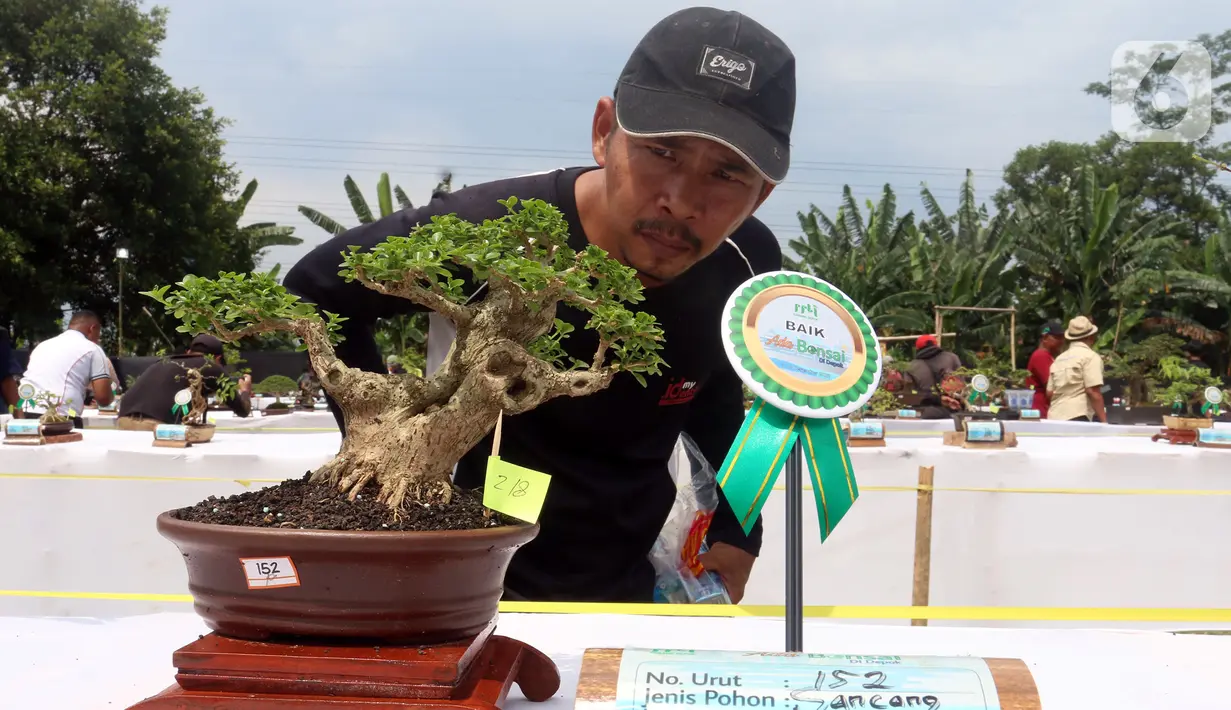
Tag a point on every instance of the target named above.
point(406, 432)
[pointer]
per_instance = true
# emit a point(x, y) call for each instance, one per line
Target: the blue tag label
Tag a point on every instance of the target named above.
point(171, 432)
point(1214, 436)
point(867, 430)
point(22, 427)
point(1031, 414)
point(907, 414)
point(984, 431)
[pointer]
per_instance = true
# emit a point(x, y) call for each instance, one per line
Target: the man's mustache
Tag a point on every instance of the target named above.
point(678, 230)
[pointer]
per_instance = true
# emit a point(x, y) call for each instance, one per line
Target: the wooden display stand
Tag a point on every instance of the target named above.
point(1182, 430)
point(40, 440)
point(600, 673)
point(221, 673)
point(40, 436)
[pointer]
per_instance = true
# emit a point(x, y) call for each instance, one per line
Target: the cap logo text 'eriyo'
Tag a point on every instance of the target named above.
point(731, 67)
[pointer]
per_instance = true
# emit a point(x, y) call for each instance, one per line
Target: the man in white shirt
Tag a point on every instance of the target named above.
point(68, 364)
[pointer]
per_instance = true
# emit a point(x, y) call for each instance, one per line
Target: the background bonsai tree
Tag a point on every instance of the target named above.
point(405, 431)
point(1184, 384)
point(50, 404)
point(278, 386)
point(194, 414)
point(1139, 364)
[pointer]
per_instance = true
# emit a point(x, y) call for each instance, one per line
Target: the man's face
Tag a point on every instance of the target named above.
point(94, 333)
point(1052, 342)
point(671, 201)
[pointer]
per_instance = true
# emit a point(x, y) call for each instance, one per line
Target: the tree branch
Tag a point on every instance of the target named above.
point(433, 298)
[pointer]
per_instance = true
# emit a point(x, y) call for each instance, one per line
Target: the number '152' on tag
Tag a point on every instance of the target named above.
point(515, 491)
point(267, 572)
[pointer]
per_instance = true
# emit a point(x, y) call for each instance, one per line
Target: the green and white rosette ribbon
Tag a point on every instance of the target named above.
point(182, 399)
point(979, 385)
point(25, 396)
point(810, 356)
point(1213, 402)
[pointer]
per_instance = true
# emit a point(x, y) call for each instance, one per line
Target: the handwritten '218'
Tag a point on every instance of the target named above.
point(519, 486)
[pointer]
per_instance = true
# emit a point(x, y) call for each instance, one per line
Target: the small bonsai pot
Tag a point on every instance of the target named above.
point(200, 433)
point(277, 408)
point(131, 424)
point(1172, 422)
point(390, 587)
point(57, 428)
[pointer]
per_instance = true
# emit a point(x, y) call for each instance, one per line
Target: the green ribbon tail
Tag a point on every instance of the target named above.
point(833, 476)
point(23, 403)
point(180, 409)
point(756, 458)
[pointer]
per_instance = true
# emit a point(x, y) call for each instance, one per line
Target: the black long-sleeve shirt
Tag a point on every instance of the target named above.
point(607, 453)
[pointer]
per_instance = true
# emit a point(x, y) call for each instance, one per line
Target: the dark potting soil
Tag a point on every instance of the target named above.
point(300, 504)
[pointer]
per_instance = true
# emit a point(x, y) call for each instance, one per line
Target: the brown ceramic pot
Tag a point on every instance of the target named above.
point(201, 433)
point(57, 428)
point(395, 587)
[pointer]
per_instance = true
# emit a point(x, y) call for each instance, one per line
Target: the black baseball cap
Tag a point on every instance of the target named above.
point(713, 74)
point(206, 344)
point(1053, 327)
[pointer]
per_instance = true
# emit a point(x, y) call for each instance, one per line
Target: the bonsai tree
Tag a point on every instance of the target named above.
point(1139, 365)
point(880, 403)
point(1184, 383)
point(405, 432)
point(278, 386)
point(51, 409)
point(193, 412)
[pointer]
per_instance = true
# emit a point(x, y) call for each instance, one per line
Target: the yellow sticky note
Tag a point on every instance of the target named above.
point(515, 491)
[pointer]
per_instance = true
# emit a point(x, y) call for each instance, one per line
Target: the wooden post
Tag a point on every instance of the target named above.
point(923, 541)
point(938, 323)
point(1013, 338)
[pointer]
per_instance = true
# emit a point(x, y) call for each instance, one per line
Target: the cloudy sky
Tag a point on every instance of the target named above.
point(898, 92)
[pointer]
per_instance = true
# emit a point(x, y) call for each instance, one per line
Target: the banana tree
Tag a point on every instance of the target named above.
point(405, 335)
point(363, 212)
point(964, 259)
point(263, 235)
point(864, 258)
point(1089, 252)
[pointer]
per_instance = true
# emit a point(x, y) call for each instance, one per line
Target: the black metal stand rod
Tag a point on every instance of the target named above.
point(795, 550)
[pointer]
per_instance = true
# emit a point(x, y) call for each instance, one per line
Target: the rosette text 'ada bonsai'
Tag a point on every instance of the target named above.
point(405, 431)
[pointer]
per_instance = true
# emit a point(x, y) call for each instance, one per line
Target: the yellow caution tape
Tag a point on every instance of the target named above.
point(952, 613)
point(884, 489)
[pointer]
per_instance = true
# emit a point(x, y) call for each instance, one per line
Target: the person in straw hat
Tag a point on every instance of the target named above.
point(1076, 381)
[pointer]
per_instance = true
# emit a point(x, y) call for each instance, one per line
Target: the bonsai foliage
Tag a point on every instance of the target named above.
point(1138, 365)
point(1184, 384)
point(881, 402)
point(407, 431)
point(276, 385)
point(51, 408)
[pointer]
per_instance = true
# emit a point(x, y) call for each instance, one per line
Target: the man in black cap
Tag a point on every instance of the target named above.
point(692, 143)
point(152, 396)
point(1051, 342)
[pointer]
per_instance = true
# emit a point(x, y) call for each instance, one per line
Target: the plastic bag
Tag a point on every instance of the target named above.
point(679, 577)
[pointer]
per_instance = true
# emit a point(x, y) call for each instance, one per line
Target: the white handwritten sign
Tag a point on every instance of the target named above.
point(984, 431)
point(867, 430)
point(266, 572)
point(170, 432)
point(1221, 437)
point(22, 427)
point(659, 679)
